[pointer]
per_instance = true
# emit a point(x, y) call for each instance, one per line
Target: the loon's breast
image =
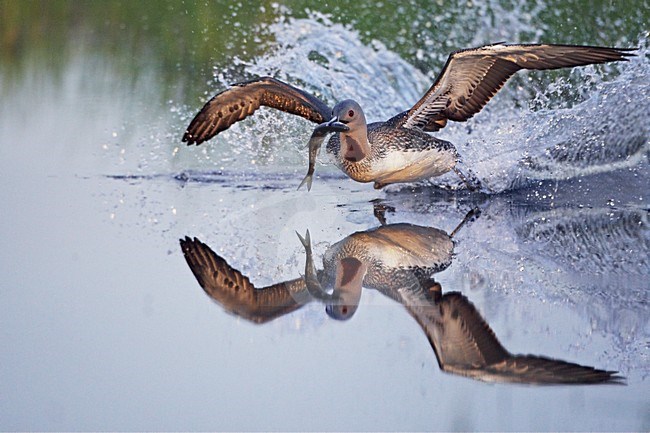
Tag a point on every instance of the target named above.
point(396, 155)
point(393, 253)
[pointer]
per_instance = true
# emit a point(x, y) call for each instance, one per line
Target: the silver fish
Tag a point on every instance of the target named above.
point(315, 142)
point(311, 276)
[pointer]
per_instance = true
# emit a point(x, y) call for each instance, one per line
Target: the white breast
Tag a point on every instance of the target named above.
point(410, 166)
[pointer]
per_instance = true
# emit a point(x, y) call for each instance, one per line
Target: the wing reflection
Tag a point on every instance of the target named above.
point(234, 291)
point(399, 260)
point(465, 344)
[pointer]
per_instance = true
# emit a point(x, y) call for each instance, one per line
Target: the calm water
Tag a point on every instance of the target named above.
point(104, 326)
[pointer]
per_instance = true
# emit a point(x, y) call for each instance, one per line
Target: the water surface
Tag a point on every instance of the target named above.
point(103, 323)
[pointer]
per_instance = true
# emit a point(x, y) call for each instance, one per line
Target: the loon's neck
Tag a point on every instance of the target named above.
point(354, 144)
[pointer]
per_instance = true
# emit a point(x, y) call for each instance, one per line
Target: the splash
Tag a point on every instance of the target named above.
point(607, 131)
point(328, 60)
point(507, 145)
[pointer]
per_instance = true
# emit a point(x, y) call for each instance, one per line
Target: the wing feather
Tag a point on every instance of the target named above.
point(243, 99)
point(465, 344)
point(465, 338)
point(542, 370)
point(471, 77)
point(234, 291)
point(458, 334)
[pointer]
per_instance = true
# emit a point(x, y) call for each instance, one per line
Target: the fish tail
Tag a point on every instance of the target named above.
point(306, 180)
point(306, 241)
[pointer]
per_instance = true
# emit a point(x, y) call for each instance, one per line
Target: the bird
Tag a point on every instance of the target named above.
point(399, 150)
point(399, 261)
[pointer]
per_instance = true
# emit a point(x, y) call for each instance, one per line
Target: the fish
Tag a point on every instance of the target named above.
point(311, 276)
point(315, 142)
point(399, 149)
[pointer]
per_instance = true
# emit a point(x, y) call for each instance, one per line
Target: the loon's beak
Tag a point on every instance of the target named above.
point(335, 126)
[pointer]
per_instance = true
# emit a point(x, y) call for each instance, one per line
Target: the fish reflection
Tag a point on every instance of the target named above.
point(399, 260)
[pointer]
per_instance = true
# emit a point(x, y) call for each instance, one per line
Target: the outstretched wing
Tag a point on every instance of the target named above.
point(466, 345)
point(457, 332)
point(234, 291)
point(471, 77)
point(542, 370)
point(241, 100)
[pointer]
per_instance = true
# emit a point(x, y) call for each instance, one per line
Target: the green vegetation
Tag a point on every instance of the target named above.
point(194, 37)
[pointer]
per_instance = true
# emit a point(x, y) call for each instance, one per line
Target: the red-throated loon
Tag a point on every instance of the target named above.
point(399, 150)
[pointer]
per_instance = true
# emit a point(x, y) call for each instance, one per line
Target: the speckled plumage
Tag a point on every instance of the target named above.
point(398, 260)
point(401, 146)
point(399, 150)
point(403, 253)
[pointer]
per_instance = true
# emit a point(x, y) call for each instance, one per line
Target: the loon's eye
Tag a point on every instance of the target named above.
point(351, 113)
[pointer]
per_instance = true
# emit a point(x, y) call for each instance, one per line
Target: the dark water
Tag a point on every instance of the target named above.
point(104, 325)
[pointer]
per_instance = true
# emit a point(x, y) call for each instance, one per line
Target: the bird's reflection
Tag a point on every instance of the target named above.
point(399, 260)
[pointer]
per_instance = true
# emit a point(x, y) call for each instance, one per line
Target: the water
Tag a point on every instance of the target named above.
point(104, 325)
point(506, 145)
